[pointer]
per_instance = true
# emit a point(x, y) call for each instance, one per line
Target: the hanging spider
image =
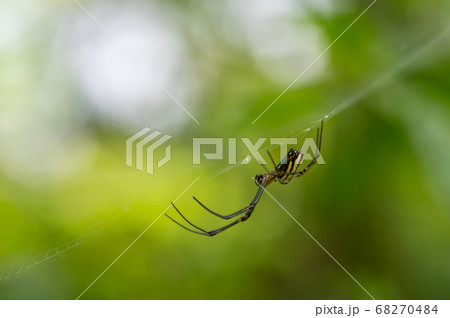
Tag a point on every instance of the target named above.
point(284, 172)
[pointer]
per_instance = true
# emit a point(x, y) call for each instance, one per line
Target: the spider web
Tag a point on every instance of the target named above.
point(396, 72)
point(407, 65)
point(58, 252)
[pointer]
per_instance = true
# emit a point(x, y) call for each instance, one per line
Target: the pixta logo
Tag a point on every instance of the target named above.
point(143, 144)
point(254, 149)
point(146, 143)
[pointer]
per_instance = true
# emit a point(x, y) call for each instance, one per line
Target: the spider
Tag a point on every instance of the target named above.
point(284, 172)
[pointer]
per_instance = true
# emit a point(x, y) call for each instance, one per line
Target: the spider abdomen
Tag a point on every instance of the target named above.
point(289, 164)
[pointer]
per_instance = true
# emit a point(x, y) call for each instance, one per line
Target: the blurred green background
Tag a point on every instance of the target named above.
point(70, 97)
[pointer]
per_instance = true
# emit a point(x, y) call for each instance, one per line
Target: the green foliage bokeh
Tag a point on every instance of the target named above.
point(380, 205)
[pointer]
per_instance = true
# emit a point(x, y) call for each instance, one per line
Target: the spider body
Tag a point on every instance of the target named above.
point(288, 166)
point(284, 172)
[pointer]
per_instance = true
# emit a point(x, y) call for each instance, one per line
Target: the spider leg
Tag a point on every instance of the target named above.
point(230, 216)
point(313, 162)
point(241, 219)
point(226, 217)
point(248, 212)
point(300, 173)
point(319, 137)
point(264, 166)
point(184, 227)
point(271, 158)
point(198, 228)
